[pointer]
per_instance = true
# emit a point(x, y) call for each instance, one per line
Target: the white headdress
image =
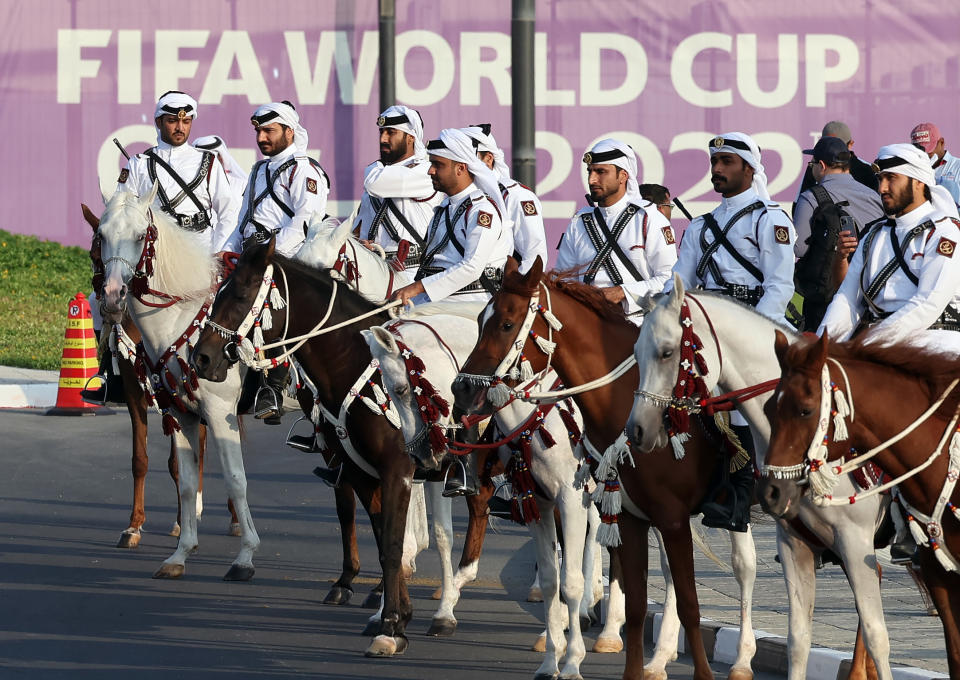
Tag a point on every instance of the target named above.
point(743, 145)
point(284, 113)
point(614, 152)
point(408, 120)
point(484, 141)
point(175, 103)
point(218, 146)
point(906, 159)
point(457, 146)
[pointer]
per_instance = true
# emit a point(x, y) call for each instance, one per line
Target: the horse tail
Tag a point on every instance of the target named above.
point(700, 541)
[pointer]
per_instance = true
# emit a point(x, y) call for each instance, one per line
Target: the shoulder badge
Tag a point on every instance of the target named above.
point(781, 234)
point(484, 219)
point(946, 247)
point(122, 179)
point(311, 185)
point(529, 207)
point(668, 236)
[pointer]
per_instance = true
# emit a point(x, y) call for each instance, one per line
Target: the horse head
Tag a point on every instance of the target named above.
point(500, 325)
point(217, 348)
point(657, 351)
point(325, 239)
point(794, 414)
point(123, 236)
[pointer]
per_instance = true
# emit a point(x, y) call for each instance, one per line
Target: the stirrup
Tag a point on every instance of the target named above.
point(330, 476)
point(97, 396)
point(302, 442)
point(269, 409)
point(451, 487)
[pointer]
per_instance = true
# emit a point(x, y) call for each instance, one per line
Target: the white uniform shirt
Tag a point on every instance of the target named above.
point(214, 193)
point(485, 242)
point(301, 187)
point(526, 213)
point(647, 239)
point(764, 238)
point(410, 188)
point(948, 175)
point(915, 307)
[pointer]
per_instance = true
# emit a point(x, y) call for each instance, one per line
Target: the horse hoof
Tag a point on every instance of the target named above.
point(372, 628)
point(384, 645)
point(540, 645)
point(129, 539)
point(169, 571)
point(234, 529)
point(442, 627)
point(659, 674)
point(338, 595)
point(175, 530)
point(372, 601)
point(584, 624)
point(239, 572)
point(535, 595)
point(545, 676)
point(437, 594)
point(574, 676)
point(740, 674)
point(608, 645)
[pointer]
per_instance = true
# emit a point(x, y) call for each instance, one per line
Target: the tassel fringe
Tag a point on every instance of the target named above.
point(677, 442)
point(546, 346)
point(275, 299)
point(266, 318)
point(498, 394)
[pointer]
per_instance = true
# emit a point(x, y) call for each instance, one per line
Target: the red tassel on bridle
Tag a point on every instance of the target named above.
point(689, 378)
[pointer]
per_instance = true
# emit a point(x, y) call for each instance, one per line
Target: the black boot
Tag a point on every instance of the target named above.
point(903, 549)
point(330, 476)
point(500, 507)
point(98, 395)
point(730, 501)
point(268, 405)
point(461, 479)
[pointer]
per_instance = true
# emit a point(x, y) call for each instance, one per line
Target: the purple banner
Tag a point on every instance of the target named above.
point(74, 74)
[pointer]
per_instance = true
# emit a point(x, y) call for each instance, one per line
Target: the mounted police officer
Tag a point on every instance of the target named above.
point(744, 249)
point(523, 206)
point(284, 190)
point(467, 245)
point(287, 187)
point(620, 242)
point(903, 283)
point(398, 196)
point(193, 187)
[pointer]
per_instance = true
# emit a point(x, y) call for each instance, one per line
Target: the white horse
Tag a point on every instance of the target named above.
point(177, 264)
point(737, 344)
point(553, 468)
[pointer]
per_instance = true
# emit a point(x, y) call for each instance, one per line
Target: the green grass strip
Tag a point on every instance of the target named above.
point(37, 281)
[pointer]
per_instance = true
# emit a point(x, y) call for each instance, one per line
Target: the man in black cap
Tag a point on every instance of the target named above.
point(860, 170)
point(830, 217)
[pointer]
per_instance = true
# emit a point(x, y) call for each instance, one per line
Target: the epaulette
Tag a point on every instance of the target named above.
point(773, 205)
point(477, 195)
point(955, 221)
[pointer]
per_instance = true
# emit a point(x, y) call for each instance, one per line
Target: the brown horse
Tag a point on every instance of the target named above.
point(137, 408)
point(889, 389)
point(594, 339)
point(333, 362)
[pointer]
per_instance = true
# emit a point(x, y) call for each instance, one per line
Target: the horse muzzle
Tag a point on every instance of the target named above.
point(779, 497)
point(207, 368)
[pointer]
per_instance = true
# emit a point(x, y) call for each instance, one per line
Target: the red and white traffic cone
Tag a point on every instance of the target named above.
point(78, 363)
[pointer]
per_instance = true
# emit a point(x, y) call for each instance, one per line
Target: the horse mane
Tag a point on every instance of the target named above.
point(183, 266)
point(784, 328)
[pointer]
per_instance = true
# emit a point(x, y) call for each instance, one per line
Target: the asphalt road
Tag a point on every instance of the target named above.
point(75, 606)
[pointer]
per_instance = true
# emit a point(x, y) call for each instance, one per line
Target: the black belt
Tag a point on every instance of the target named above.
point(197, 222)
point(493, 274)
point(747, 294)
point(949, 320)
point(413, 257)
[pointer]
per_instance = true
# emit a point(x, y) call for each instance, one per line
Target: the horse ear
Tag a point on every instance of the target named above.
point(511, 266)
point(380, 336)
point(342, 232)
point(821, 348)
point(147, 200)
point(675, 299)
point(88, 215)
point(780, 346)
point(536, 271)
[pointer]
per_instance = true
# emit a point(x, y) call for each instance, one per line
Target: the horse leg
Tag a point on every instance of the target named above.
point(137, 408)
point(416, 536)
point(182, 443)
point(395, 487)
point(342, 589)
point(234, 529)
point(860, 565)
point(924, 591)
point(544, 534)
point(174, 469)
point(592, 567)
point(609, 642)
point(372, 500)
point(573, 523)
point(444, 622)
point(201, 450)
point(861, 665)
point(668, 639)
point(223, 422)
point(679, 546)
point(633, 562)
point(796, 558)
point(743, 557)
point(945, 590)
point(478, 518)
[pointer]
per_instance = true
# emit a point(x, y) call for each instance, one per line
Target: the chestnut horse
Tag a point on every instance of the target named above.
point(333, 361)
point(594, 339)
point(137, 408)
point(900, 409)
